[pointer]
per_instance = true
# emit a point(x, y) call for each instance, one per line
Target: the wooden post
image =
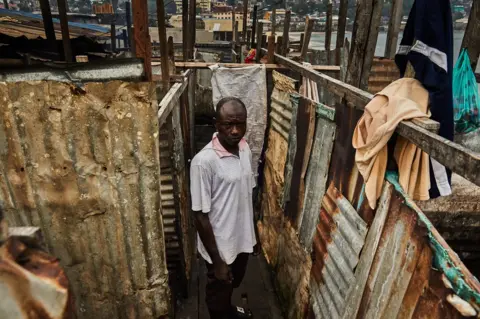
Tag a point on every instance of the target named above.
point(185, 30)
point(365, 33)
point(306, 41)
point(274, 21)
point(342, 23)
point(342, 26)
point(192, 20)
point(143, 44)
point(271, 49)
point(234, 22)
point(393, 28)
point(171, 55)
point(264, 40)
point(279, 45)
point(128, 19)
point(162, 38)
point(328, 31)
point(302, 38)
point(5, 5)
point(125, 38)
point(244, 25)
point(471, 39)
point(249, 36)
point(67, 46)
point(286, 30)
point(235, 32)
point(47, 22)
point(259, 42)
point(113, 36)
point(254, 26)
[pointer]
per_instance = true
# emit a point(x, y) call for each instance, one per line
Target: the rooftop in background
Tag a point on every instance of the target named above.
point(30, 25)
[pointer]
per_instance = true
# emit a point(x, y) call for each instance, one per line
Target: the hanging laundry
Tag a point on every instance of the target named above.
point(403, 99)
point(427, 44)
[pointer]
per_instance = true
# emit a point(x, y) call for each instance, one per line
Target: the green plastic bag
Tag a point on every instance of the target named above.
point(466, 103)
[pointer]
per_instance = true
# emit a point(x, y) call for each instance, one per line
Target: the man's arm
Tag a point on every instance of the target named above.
point(205, 231)
point(201, 192)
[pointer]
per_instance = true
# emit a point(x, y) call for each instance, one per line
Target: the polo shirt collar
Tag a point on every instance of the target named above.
point(221, 151)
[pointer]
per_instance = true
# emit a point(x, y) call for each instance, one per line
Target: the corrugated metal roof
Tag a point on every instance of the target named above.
point(84, 166)
point(30, 25)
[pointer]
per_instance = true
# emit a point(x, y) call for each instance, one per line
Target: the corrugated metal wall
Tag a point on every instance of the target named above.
point(387, 263)
point(83, 164)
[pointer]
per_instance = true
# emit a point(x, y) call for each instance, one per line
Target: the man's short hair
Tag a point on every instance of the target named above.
point(224, 101)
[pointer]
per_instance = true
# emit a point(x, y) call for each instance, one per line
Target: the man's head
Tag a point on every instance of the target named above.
point(231, 120)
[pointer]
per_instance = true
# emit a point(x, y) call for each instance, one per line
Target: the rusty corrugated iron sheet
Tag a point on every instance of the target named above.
point(32, 282)
point(275, 160)
point(83, 164)
point(383, 72)
point(403, 258)
point(339, 238)
point(30, 25)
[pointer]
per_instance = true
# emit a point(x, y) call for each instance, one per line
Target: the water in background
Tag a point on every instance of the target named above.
point(318, 42)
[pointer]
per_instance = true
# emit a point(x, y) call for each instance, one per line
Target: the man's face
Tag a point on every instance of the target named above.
point(231, 123)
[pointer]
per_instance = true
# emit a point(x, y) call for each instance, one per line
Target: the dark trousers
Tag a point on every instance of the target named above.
point(219, 293)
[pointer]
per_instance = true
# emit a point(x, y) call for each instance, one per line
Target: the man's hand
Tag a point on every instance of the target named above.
point(222, 272)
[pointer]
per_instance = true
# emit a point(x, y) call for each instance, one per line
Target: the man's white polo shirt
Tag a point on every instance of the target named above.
point(221, 185)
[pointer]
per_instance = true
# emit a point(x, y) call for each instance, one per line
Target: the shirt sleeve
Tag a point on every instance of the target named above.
point(201, 188)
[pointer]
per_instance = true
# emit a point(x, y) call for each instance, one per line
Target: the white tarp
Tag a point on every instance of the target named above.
point(249, 84)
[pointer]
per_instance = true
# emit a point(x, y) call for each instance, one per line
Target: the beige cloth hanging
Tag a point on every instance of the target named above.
point(402, 100)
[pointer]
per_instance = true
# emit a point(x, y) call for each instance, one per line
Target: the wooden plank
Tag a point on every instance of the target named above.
point(355, 293)
point(206, 65)
point(274, 21)
point(316, 179)
point(162, 38)
point(47, 22)
point(286, 30)
point(113, 36)
point(308, 34)
point(342, 25)
point(185, 27)
point(393, 28)
point(271, 49)
point(192, 21)
point(471, 39)
point(302, 37)
point(236, 37)
point(233, 23)
point(244, 25)
point(304, 131)
point(328, 31)
point(169, 101)
point(259, 42)
point(365, 33)
point(279, 45)
point(67, 46)
point(143, 45)
point(254, 26)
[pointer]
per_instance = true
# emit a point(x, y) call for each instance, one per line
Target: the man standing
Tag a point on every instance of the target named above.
point(221, 188)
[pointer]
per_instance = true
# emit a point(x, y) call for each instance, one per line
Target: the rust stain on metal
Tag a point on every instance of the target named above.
point(83, 165)
point(32, 283)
